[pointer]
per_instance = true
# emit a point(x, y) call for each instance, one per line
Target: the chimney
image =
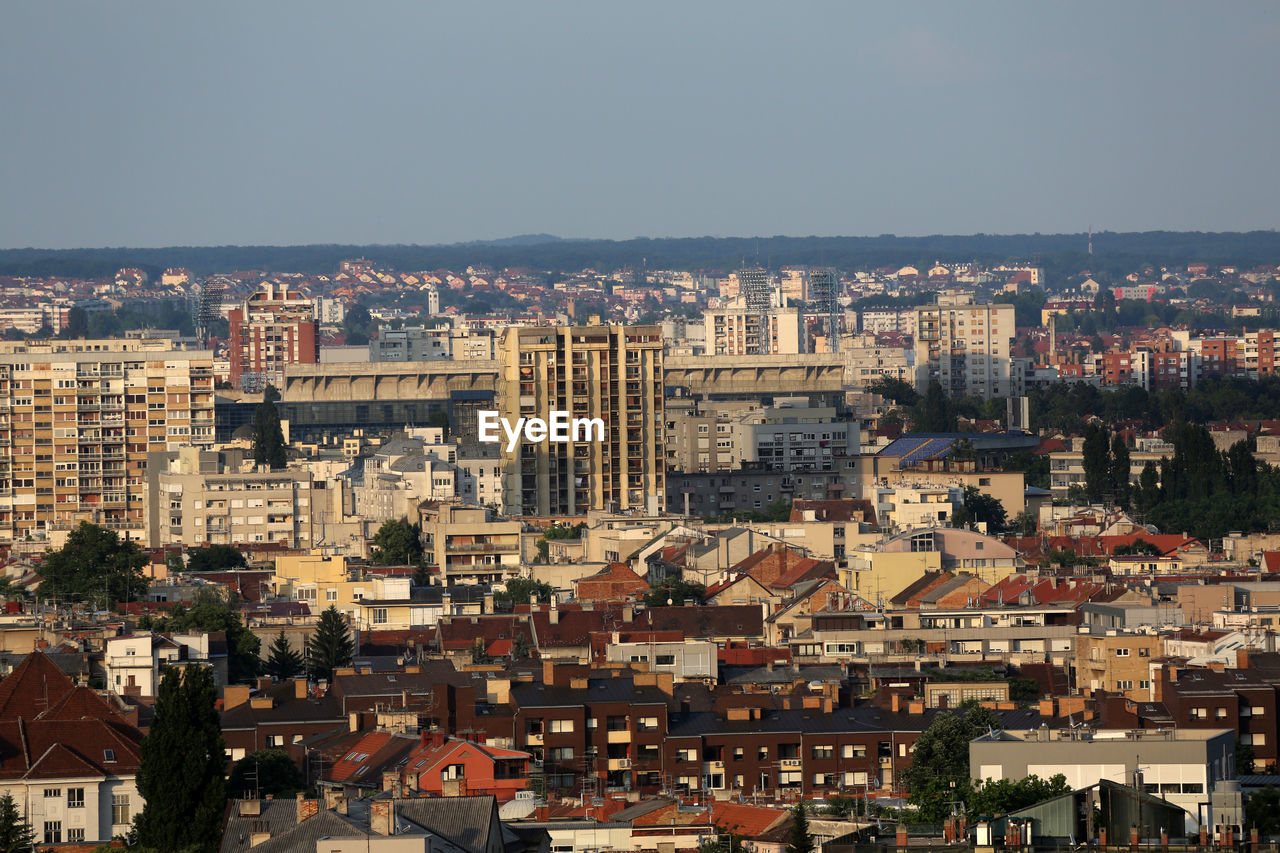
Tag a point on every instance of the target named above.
point(382, 817)
point(533, 599)
point(487, 606)
point(336, 799)
point(446, 603)
point(895, 702)
point(554, 613)
point(250, 808)
point(628, 613)
point(549, 671)
point(264, 682)
point(299, 688)
point(257, 838)
point(234, 695)
point(307, 808)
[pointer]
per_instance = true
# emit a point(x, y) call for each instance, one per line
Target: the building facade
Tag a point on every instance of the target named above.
point(964, 346)
point(273, 327)
point(610, 373)
point(77, 420)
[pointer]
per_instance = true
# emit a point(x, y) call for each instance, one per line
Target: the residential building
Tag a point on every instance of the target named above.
point(737, 329)
point(1182, 766)
point(612, 374)
point(134, 664)
point(71, 757)
point(469, 544)
point(964, 346)
point(1117, 663)
point(77, 420)
point(194, 496)
point(274, 327)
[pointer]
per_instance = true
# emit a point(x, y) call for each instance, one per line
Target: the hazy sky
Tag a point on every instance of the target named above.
point(174, 123)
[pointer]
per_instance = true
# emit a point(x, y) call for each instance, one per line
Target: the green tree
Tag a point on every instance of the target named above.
point(939, 771)
point(1119, 470)
point(896, 391)
point(934, 412)
point(398, 543)
point(77, 322)
point(991, 797)
point(16, 836)
point(801, 840)
point(212, 611)
point(979, 507)
point(1244, 758)
point(266, 772)
point(1138, 547)
point(1262, 811)
point(268, 437)
point(676, 591)
point(440, 420)
point(518, 591)
point(1096, 462)
point(180, 776)
point(94, 565)
point(283, 662)
point(330, 645)
point(215, 558)
point(356, 324)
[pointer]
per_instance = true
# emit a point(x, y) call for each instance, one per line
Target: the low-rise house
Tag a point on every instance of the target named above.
point(445, 766)
point(135, 663)
point(70, 757)
point(276, 716)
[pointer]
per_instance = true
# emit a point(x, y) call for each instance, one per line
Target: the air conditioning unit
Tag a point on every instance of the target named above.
point(624, 763)
point(537, 762)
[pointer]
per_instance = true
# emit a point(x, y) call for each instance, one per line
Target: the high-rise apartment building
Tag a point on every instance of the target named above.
point(613, 373)
point(964, 346)
point(737, 330)
point(77, 420)
point(273, 327)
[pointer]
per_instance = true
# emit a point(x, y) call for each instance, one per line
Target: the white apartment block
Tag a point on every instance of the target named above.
point(964, 346)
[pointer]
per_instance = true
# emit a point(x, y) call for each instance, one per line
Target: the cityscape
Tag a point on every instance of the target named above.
point(332, 522)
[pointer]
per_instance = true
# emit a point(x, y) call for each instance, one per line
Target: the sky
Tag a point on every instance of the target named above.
point(148, 124)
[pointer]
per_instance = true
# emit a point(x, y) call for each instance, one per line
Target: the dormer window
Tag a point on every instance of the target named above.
point(109, 756)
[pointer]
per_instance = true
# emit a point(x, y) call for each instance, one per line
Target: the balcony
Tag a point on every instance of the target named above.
point(483, 548)
point(619, 763)
point(620, 736)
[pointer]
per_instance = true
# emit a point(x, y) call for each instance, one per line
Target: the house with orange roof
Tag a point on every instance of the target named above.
point(616, 582)
point(446, 766)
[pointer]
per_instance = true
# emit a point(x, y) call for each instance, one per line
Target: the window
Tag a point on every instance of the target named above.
point(666, 660)
point(109, 756)
point(75, 798)
point(120, 810)
point(275, 740)
point(75, 834)
point(562, 753)
point(737, 753)
point(52, 793)
point(379, 615)
point(647, 724)
point(854, 750)
point(561, 727)
point(1122, 653)
point(689, 755)
point(53, 832)
point(823, 751)
point(330, 595)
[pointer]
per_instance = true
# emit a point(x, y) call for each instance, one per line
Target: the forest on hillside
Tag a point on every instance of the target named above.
point(1060, 254)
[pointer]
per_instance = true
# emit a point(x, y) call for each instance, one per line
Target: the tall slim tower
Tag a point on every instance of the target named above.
point(824, 297)
point(756, 286)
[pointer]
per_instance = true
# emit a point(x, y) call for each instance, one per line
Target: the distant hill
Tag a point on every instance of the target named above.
point(1060, 254)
